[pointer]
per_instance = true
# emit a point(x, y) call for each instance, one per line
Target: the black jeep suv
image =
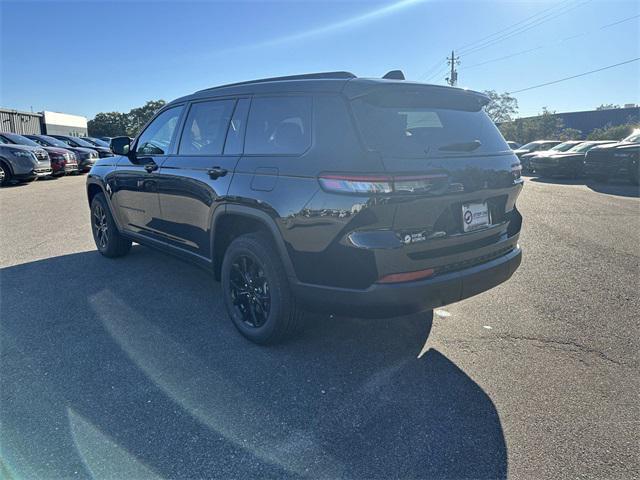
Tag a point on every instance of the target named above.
point(369, 197)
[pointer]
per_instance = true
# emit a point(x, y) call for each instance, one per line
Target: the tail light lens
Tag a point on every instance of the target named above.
point(356, 183)
point(368, 184)
point(516, 170)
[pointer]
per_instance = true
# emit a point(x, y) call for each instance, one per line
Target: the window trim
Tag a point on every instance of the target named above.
point(173, 135)
point(249, 99)
point(311, 125)
point(183, 123)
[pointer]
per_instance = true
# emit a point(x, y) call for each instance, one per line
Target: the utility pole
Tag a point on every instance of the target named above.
point(452, 79)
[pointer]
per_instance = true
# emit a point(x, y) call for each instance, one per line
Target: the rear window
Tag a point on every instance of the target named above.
point(418, 124)
point(279, 126)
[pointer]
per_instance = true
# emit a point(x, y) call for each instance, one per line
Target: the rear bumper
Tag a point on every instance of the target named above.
point(403, 298)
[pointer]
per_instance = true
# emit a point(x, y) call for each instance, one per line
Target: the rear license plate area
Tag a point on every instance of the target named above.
point(475, 216)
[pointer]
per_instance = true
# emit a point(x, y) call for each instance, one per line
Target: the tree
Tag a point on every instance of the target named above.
point(501, 107)
point(609, 132)
point(544, 126)
point(110, 124)
point(114, 124)
point(607, 106)
point(138, 117)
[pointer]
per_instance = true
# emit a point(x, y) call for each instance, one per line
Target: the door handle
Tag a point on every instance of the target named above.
point(217, 172)
point(151, 166)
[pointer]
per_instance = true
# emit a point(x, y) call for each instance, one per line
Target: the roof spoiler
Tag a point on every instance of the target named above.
point(394, 75)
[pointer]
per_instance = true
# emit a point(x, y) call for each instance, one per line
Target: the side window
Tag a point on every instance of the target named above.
point(156, 138)
point(279, 125)
point(235, 134)
point(206, 127)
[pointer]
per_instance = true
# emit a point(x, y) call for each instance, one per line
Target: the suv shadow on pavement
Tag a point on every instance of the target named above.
point(613, 187)
point(133, 370)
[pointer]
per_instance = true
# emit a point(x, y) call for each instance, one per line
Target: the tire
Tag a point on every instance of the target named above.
point(5, 174)
point(109, 241)
point(268, 312)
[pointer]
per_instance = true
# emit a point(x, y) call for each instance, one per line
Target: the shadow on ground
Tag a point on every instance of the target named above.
point(616, 187)
point(129, 368)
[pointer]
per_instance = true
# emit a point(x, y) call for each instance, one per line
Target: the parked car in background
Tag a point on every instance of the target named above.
point(530, 147)
point(569, 163)
point(97, 142)
point(513, 145)
point(106, 139)
point(85, 157)
point(78, 142)
point(526, 158)
point(620, 159)
point(62, 160)
point(22, 163)
point(318, 196)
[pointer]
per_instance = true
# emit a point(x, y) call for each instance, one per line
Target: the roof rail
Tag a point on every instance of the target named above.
point(307, 76)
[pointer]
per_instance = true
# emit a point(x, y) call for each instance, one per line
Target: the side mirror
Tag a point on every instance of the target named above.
point(120, 145)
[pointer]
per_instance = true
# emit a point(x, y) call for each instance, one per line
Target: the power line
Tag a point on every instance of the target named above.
point(463, 47)
point(562, 40)
point(526, 28)
point(471, 47)
point(575, 76)
point(429, 73)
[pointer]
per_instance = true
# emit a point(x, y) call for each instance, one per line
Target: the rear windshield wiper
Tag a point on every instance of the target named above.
point(461, 147)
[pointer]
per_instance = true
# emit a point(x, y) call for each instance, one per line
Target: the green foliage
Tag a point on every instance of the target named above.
point(502, 106)
point(609, 132)
point(114, 124)
point(607, 106)
point(544, 126)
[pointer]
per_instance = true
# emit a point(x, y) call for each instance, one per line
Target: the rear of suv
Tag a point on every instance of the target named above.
point(368, 197)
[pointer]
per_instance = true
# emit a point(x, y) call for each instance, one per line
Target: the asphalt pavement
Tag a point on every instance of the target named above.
point(129, 368)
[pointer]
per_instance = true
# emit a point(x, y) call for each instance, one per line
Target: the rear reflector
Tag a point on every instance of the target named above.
point(406, 277)
point(380, 183)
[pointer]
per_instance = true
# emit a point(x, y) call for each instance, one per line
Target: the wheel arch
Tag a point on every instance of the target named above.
point(236, 220)
point(6, 162)
point(95, 187)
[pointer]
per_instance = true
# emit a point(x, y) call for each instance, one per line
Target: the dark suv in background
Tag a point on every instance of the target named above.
point(77, 142)
point(371, 197)
point(621, 159)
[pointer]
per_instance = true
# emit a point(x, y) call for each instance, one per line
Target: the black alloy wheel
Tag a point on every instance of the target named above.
point(250, 291)
point(100, 227)
point(256, 290)
point(109, 240)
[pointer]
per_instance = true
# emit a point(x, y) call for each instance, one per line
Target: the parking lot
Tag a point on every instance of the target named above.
point(129, 368)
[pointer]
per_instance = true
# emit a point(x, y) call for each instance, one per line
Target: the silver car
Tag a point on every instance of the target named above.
point(22, 163)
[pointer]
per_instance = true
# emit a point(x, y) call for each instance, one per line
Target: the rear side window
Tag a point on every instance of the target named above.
point(279, 126)
point(417, 124)
point(206, 127)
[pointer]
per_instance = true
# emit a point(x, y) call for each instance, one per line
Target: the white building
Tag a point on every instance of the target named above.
point(54, 123)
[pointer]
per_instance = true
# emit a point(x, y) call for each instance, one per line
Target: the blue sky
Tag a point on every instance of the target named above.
point(88, 56)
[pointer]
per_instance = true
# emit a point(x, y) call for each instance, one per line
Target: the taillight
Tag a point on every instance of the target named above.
point(356, 183)
point(516, 170)
point(380, 183)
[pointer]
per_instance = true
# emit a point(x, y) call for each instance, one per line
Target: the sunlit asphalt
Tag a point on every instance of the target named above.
point(129, 368)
